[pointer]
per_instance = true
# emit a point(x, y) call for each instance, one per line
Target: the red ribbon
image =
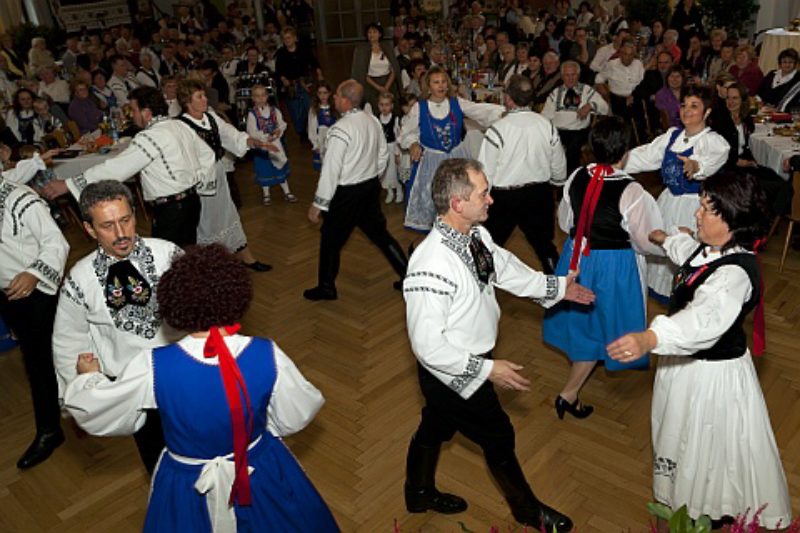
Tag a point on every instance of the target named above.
point(588, 207)
point(759, 329)
point(235, 389)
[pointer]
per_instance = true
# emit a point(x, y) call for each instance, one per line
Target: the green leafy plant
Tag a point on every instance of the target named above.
point(679, 521)
point(733, 15)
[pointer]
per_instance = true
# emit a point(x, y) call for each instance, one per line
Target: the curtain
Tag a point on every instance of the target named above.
point(10, 14)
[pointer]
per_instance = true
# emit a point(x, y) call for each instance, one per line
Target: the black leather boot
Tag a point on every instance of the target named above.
point(524, 506)
point(420, 488)
point(42, 447)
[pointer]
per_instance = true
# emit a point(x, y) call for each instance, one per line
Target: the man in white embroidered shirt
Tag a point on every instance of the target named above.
point(32, 256)
point(348, 190)
point(522, 155)
point(108, 305)
point(452, 318)
point(620, 77)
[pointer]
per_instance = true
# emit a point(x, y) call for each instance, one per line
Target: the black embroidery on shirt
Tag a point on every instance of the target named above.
point(80, 182)
point(665, 467)
point(459, 244)
point(18, 213)
point(551, 290)
point(474, 365)
point(427, 289)
point(425, 273)
point(73, 292)
point(51, 274)
point(322, 202)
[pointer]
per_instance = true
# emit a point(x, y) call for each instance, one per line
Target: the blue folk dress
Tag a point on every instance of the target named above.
point(325, 120)
point(267, 174)
point(197, 424)
point(440, 139)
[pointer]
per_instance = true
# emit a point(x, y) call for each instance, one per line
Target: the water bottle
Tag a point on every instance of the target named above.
point(114, 124)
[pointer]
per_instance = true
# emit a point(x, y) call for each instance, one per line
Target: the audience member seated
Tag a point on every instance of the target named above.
point(39, 56)
point(52, 86)
point(104, 95)
point(620, 77)
point(668, 99)
point(746, 69)
point(84, 109)
point(645, 93)
point(694, 60)
point(20, 119)
point(779, 81)
point(550, 79)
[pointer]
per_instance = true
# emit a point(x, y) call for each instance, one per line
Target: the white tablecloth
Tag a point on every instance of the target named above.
point(69, 168)
point(771, 150)
point(775, 41)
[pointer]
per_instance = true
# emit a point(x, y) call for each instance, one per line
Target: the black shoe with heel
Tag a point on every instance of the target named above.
point(576, 408)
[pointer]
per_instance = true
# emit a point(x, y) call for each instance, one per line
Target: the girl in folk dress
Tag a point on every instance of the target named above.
point(265, 123)
point(322, 116)
point(407, 101)
point(390, 122)
point(713, 446)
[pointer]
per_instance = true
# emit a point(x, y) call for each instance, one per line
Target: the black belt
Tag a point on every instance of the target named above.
point(515, 187)
point(174, 197)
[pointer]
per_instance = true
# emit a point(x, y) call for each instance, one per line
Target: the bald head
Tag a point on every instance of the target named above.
point(350, 93)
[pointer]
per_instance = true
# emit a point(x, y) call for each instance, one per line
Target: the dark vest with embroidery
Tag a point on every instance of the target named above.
point(733, 342)
point(606, 232)
point(388, 129)
point(211, 137)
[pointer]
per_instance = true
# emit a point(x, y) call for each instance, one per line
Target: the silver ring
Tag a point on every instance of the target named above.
point(627, 352)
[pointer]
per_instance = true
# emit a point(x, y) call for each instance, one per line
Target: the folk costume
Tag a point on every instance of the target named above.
point(679, 200)
point(272, 168)
point(167, 154)
point(713, 446)
point(108, 308)
point(439, 129)
point(614, 216)
point(522, 156)
point(197, 471)
point(31, 242)
point(390, 180)
point(219, 220)
point(318, 124)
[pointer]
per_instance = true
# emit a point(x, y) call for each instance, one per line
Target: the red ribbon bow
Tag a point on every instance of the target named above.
point(588, 207)
point(759, 330)
point(235, 389)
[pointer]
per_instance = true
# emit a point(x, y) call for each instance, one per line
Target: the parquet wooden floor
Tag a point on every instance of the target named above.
point(356, 351)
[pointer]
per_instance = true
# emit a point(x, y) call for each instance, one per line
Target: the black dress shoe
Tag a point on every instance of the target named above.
point(576, 408)
point(543, 518)
point(40, 449)
point(258, 266)
point(320, 293)
point(419, 501)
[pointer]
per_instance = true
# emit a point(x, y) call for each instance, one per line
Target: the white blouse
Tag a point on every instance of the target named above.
point(710, 151)
point(715, 306)
point(105, 407)
point(379, 65)
point(484, 114)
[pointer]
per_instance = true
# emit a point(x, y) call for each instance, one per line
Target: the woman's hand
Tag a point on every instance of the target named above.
point(690, 166)
point(87, 362)
point(632, 346)
point(415, 151)
point(658, 237)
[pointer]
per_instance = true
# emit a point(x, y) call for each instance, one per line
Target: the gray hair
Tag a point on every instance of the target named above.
point(452, 181)
point(573, 64)
point(103, 191)
point(352, 91)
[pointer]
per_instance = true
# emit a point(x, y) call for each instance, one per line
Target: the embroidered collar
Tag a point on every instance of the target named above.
point(156, 120)
point(351, 112)
point(520, 110)
point(459, 243)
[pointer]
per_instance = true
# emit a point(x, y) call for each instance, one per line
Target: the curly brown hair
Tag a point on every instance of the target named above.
point(207, 286)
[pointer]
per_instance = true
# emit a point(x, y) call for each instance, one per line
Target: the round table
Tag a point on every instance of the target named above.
point(774, 41)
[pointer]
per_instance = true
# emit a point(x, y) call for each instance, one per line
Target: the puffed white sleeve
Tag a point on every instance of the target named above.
point(566, 218)
point(640, 216)
point(549, 109)
point(679, 247)
point(648, 156)
point(711, 153)
point(558, 159)
point(119, 168)
point(48, 267)
point(429, 296)
point(70, 333)
point(409, 133)
point(252, 128)
point(337, 142)
point(516, 277)
point(716, 305)
point(294, 402)
point(233, 140)
point(313, 135)
point(108, 408)
point(598, 103)
point(281, 123)
point(490, 152)
point(25, 170)
point(483, 114)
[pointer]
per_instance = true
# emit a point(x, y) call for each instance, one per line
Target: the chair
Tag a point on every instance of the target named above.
point(793, 216)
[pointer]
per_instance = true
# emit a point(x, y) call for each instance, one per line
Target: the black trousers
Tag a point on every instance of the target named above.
point(620, 108)
point(176, 221)
point(150, 440)
point(480, 418)
point(31, 318)
point(573, 142)
point(532, 208)
point(355, 206)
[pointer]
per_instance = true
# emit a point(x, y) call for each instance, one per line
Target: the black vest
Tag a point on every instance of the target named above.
point(388, 129)
point(732, 343)
point(211, 137)
point(606, 231)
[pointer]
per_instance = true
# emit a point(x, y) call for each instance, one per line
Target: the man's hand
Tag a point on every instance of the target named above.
point(314, 214)
point(54, 189)
point(577, 293)
point(87, 362)
point(48, 155)
point(584, 111)
point(632, 346)
point(658, 237)
point(21, 286)
point(504, 375)
point(415, 151)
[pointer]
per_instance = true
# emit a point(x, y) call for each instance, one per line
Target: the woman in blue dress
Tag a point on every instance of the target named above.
point(434, 131)
point(611, 215)
point(212, 384)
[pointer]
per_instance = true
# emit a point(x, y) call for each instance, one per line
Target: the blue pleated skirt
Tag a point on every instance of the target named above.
point(267, 174)
point(584, 331)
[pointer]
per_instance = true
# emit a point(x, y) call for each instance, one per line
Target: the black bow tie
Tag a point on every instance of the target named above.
point(571, 99)
point(126, 286)
point(482, 257)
